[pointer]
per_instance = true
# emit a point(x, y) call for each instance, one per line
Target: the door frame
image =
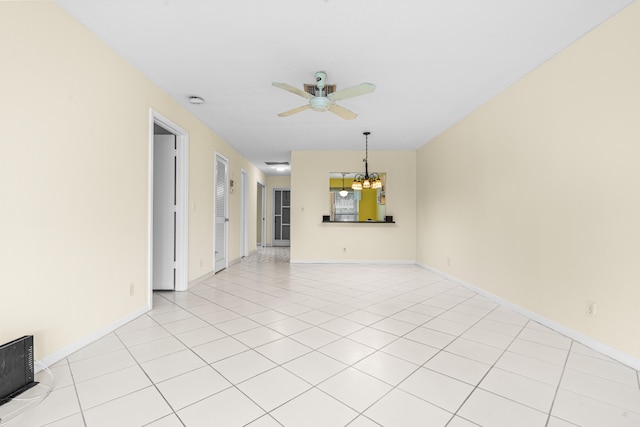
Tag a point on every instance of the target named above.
point(182, 202)
point(244, 216)
point(164, 210)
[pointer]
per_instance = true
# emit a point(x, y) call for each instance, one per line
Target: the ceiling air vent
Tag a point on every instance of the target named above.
point(311, 88)
point(276, 163)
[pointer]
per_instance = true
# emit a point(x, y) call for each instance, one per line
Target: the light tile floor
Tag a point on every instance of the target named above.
point(266, 343)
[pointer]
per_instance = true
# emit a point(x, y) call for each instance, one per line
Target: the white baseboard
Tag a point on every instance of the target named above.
point(201, 279)
point(351, 261)
point(575, 335)
point(70, 349)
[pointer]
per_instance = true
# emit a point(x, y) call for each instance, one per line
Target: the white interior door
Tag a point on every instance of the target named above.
point(221, 213)
point(164, 212)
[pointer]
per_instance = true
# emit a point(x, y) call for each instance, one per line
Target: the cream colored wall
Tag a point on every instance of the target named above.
point(74, 178)
point(311, 240)
point(535, 197)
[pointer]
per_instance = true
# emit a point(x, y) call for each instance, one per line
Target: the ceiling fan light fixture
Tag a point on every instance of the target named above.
point(319, 103)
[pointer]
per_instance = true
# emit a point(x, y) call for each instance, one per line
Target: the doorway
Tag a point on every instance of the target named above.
point(221, 198)
point(281, 216)
point(168, 213)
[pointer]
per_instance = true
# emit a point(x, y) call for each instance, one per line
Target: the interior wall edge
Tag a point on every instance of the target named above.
point(66, 351)
point(588, 341)
point(201, 279)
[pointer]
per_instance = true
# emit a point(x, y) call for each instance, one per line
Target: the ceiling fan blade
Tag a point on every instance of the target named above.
point(342, 112)
point(295, 110)
point(350, 92)
point(292, 89)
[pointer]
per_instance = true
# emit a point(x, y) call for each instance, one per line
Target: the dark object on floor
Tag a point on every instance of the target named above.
point(16, 368)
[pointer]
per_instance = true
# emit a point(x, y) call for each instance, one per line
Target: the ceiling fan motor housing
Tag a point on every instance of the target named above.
point(320, 103)
point(321, 77)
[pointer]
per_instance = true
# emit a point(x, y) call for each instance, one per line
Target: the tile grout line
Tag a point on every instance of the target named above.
point(352, 365)
point(233, 384)
point(314, 350)
point(555, 395)
point(419, 366)
point(153, 383)
point(506, 349)
point(476, 386)
point(75, 389)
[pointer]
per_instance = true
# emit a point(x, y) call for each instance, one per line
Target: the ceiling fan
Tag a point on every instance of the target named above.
point(322, 97)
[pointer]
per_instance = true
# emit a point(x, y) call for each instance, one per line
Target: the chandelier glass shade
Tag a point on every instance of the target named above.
point(343, 192)
point(366, 180)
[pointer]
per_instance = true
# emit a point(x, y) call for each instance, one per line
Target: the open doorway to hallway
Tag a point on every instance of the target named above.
point(168, 204)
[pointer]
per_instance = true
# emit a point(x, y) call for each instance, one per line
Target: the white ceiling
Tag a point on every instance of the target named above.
point(433, 61)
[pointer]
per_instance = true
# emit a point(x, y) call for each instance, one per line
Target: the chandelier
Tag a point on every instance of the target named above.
point(367, 180)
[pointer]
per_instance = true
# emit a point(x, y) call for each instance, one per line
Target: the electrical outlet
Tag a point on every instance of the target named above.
point(591, 309)
point(449, 261)
point(132, 289)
